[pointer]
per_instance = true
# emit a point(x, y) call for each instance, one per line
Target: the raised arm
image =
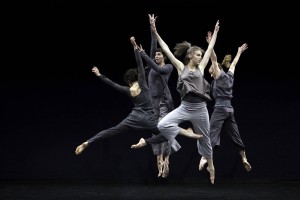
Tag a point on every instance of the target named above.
point(241, 49)
point(215, 70)
point(177, 63)
point(153, 38)
point(141, 76)
point(213, 55)
point(120, 88)
point(152, 64)
point(209, 49)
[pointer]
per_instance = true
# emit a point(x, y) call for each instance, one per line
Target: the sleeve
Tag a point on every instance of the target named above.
point(152, 64)
point(120, 88)
point(153, 45)
point(141, 70)
point(152, 51)
point(222, 75)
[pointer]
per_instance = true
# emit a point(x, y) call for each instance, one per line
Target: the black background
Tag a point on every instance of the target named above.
point(51, 101)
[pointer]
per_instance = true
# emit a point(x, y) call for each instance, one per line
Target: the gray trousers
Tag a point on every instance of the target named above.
point(197, 114)
point(160, 111)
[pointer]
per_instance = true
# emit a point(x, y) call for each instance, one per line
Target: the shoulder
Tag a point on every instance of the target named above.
point(169, 66)
point(229, 73)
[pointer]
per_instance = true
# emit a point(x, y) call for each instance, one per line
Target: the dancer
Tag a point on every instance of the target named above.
point(141, 117)
point(158, 77)
point(158, 71)
point(194, 92)
point(222, 117)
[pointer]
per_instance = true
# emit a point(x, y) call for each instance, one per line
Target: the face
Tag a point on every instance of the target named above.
point(159, 58)
point(196, 57)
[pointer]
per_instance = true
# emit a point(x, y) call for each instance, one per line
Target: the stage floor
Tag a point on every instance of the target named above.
point(98, 190)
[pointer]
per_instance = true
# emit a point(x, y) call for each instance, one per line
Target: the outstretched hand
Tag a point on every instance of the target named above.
point(208, 37)
point(134, 44)
point(96, 71)
point(243, 48)
point(132, 40)
point(217, 26)
point(140, 48)
point(152, 20)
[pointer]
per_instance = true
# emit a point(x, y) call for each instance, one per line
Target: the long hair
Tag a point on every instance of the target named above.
point(187, 49)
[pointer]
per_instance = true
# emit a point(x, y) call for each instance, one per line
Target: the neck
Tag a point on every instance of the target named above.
point(191, 66)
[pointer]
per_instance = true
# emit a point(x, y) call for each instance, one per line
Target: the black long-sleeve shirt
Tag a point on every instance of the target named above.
point(141, 101)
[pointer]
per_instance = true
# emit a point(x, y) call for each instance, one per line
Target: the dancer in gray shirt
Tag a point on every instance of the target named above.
point(222, 117)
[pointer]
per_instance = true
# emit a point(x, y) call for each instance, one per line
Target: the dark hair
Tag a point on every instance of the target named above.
point(131, 75)
point(162, 52)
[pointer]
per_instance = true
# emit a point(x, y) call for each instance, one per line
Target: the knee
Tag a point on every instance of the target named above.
point(161, 125)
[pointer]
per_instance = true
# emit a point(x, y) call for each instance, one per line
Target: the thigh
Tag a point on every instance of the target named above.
point(217, 120)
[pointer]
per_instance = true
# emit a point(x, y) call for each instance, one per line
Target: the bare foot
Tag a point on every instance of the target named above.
point(247, 166)
point(81, 147)
point(189, 133)
point(211, 175)
point(160, 168)
point(202, 163)
point(141, 143)
point(165, 173)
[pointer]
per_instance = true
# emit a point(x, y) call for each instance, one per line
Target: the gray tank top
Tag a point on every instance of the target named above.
point(193, 82)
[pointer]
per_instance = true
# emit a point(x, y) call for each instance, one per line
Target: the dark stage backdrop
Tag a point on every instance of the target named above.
point(51, 101)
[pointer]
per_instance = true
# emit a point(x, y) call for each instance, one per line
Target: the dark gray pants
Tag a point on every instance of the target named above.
point(223, 120)
point(137, 120)
point(160, 111)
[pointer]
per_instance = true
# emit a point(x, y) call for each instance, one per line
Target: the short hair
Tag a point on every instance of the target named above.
point(160, 50)
point(131, 75)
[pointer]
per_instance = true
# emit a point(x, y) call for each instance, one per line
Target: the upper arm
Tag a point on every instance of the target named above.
point(116, 86)
point(216, 69)
point(176, 62)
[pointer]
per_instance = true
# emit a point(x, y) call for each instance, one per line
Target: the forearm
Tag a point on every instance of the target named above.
point(236, 58)
point(141, 70)
point(153, 45)
point(153, 65)
point(213, 56)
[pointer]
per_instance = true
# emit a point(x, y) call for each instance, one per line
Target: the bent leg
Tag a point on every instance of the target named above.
point(190, 133)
